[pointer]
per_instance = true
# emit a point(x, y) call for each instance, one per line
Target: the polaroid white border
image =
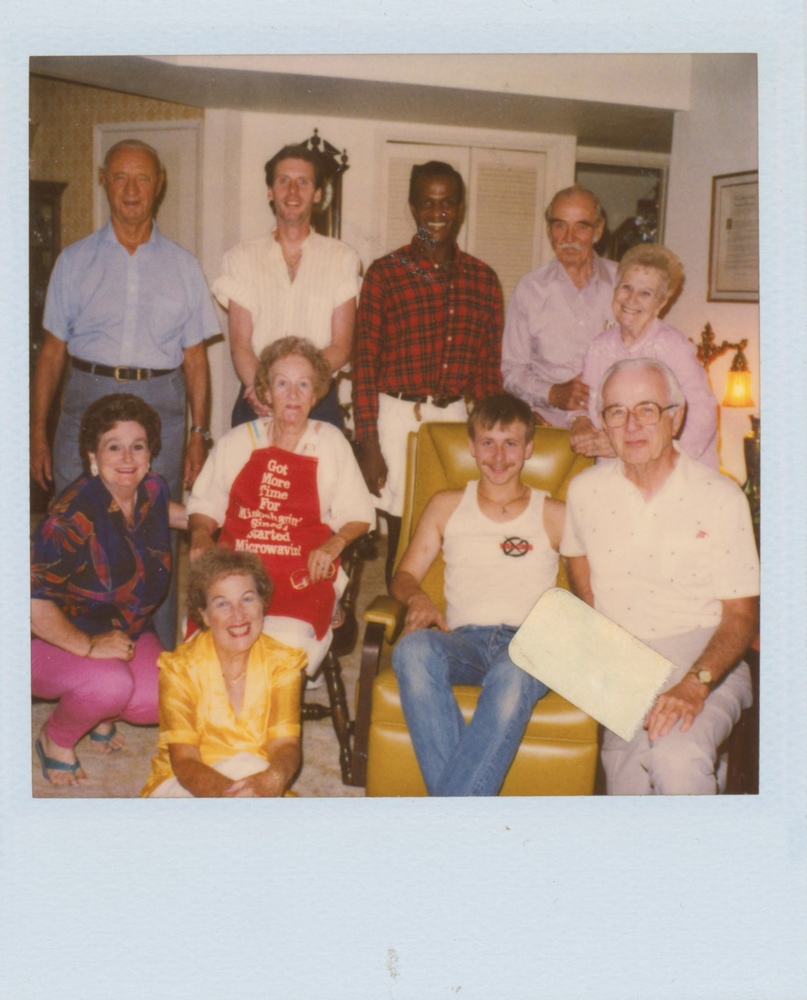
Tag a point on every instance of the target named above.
point(611, 899)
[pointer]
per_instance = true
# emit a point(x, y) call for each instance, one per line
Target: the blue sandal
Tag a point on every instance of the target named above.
point(105, 738)
point(48, 763)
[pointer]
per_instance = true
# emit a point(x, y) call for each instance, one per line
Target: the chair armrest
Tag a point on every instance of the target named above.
point(388, 612)
point(384, 620)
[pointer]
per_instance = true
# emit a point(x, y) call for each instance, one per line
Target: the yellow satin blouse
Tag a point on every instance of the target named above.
point(195, 709)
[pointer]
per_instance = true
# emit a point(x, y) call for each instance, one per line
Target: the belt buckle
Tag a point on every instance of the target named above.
point(138, 376)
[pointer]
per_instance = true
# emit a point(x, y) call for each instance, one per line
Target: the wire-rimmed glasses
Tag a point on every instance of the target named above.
point(646, 413)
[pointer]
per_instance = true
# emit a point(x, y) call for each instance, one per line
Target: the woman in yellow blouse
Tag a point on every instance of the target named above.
point(230, 696)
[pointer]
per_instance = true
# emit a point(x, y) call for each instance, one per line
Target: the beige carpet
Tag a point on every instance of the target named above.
point(122, 774)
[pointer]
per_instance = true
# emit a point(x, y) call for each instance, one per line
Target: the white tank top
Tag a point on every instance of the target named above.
point(496, 571)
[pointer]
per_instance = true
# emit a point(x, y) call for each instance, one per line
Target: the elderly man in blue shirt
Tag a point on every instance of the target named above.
point(130, 311)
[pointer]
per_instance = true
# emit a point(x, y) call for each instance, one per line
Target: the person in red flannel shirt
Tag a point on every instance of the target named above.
point(428, 338)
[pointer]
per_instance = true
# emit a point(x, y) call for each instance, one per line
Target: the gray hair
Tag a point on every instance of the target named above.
point(674, 391)
point(133, 144)
point(661, 259)
point(568, 192)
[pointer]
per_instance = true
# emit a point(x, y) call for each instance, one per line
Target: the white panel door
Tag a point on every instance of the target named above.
point(505, 217)
point(397, 227)
point(179, 145)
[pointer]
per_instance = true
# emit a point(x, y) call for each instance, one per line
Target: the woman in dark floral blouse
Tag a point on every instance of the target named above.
point(100, 565)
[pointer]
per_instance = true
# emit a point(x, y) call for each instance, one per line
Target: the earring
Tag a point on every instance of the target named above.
point(94, 468)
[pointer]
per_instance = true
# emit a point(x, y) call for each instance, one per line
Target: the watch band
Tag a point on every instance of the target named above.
point(203, 433)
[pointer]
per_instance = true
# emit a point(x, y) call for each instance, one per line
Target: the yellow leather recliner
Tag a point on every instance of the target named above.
point(558, 754)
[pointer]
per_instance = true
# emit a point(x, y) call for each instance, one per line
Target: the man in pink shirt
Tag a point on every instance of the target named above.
point(556, 311)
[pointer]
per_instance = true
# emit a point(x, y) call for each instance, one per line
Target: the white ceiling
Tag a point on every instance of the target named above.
point(594, 123)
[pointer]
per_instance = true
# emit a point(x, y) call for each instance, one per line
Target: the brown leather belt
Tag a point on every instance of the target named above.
point(121, 373)
point(441, 402)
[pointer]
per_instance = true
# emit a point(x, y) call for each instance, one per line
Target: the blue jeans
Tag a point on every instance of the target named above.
point(455, 758)
point(166, 394)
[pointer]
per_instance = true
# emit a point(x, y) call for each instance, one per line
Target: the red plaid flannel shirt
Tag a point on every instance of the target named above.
point(425, 330)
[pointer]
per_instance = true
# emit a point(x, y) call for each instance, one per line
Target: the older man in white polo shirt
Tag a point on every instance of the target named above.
point(664, 547)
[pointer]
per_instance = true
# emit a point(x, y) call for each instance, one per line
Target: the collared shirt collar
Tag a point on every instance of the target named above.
point(599, 272)
point(276, 247)
point(619, 466)
point(108, 235)
point(638, 345)
point(416, 249)
point(142, 499)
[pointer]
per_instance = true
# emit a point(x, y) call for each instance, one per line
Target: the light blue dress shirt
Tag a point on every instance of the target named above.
point(141, 309)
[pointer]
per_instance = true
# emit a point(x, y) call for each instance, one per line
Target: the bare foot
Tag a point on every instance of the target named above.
point(106, 745)
point(66, 755)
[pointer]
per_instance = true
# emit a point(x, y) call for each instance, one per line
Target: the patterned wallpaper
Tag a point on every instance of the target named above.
point(62, 147)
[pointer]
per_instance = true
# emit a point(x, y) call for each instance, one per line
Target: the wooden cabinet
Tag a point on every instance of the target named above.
point(44, 244)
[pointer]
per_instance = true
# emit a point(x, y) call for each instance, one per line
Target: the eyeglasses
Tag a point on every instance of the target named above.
point(646, 414)
point(300, 578)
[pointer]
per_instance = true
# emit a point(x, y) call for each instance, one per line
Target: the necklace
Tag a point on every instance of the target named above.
point(503, 506)
point(234, 680)
point(292, 265)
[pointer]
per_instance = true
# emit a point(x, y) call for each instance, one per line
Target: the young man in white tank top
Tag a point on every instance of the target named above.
point(500, 541)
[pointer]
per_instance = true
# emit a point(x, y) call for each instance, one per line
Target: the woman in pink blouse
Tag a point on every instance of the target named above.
point(649, 276)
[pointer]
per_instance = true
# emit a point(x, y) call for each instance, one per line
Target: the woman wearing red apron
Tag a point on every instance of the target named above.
point(290, 491)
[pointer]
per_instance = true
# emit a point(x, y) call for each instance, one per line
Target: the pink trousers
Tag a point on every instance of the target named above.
point(93, 691)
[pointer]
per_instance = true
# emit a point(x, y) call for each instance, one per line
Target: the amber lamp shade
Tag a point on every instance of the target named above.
point(738, 389)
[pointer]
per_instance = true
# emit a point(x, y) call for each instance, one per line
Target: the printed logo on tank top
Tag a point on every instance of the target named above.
point(515, 547)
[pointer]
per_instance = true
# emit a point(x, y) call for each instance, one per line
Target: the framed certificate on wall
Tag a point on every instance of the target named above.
point(734, 243)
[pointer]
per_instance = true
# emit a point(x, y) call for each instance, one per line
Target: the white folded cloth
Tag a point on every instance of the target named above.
point(591, 662)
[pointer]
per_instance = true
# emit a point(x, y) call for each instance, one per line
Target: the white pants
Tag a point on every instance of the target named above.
point(680, 763)
point(242, 765)
point(299, 635)
point(396, 420)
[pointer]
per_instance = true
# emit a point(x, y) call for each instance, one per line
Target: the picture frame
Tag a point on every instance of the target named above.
point(734, 238)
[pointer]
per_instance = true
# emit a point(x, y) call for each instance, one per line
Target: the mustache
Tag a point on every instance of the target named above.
point(571, 246)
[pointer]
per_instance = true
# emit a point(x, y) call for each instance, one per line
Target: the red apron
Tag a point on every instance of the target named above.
point(274, 512)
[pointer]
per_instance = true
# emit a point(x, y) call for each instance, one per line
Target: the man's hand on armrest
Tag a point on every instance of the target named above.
point(421, 611)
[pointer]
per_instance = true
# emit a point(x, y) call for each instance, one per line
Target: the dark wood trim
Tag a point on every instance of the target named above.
point(370, 661)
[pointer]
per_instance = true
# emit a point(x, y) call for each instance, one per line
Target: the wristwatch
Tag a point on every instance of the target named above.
point(204, 434)
point(704, 676)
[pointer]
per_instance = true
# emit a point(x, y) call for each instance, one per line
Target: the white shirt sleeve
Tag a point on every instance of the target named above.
point(343, 494)
point(211, 491)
